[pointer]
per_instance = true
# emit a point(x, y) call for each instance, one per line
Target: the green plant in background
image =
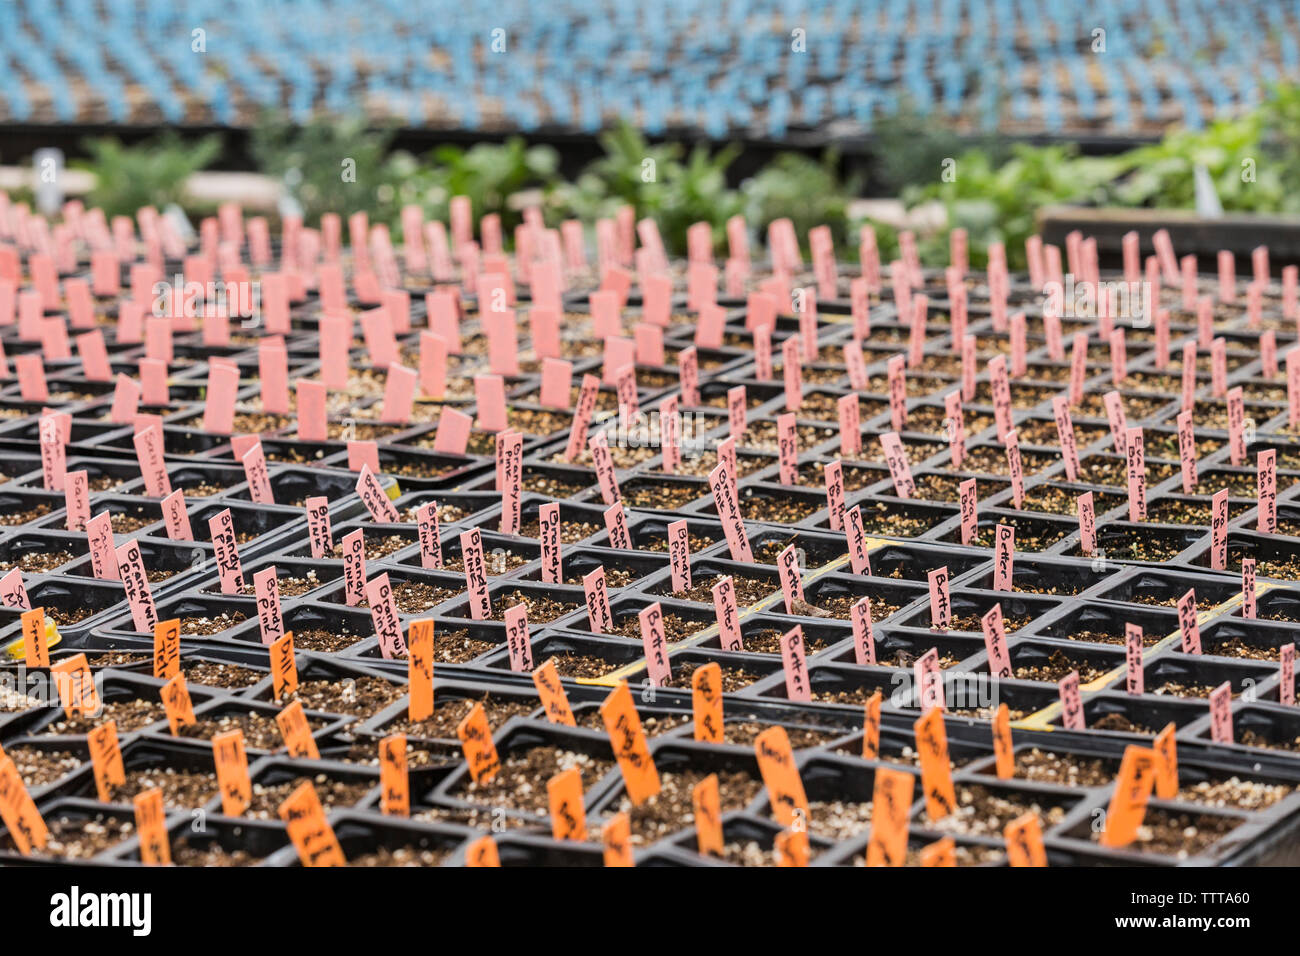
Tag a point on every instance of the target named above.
point(805, 190)
point(999, 202)
point(489, 174)
point(331, 165)
point(150, 173)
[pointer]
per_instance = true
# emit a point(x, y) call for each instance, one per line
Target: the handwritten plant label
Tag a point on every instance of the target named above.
point(795, 663)
point(679, 553)
point(1128, 804)
point(599, 618)
point(655, 642)
point(1266, 522)
point(548, 531)
point(1188, 627)
point(603, 462)
point(855, 535)
point(375, 498)
point(995, 643)
point(555, 702)
point(221, 529)
point(727, 614)
point(723, 486)
point(936, 766)
point(929, 681)
point(1004, 557)
point(640, 778)
point(1221, 714)
point(471, 551)
point(1133, 644)
point(383, 612)
point(891, 803)
point(1248, 599)
point(940, 603)
point(106, 758)
point(899, 470)
point(1071, 701)
point(776, 763)
point(135, 583)
point(266, 586)
point(103, 556)
point(1137, 475)
point(517, 637)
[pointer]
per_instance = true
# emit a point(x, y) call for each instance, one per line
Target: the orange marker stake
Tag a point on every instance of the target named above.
point(312, 836)
point(706, 702)
point(936, 769)
point(781, 776)
point(35, 649)
point(616, 835)
point(232, 772)
point(482, 852)
point(1166, 748)
point(1024, 838)
point(419, 670)
point(284, 667)
point(394, 781)
point(792, 848)
point(296, 731)
point(476, 740)
point(1128, 805)
point(151, 822)
point(940, 853)
point(1002, 745)
point(177, 703)
point(106, 758)
point(167, 649)
point(707, 802)
point(555, 702)
point(891, 803)
point(568, 817)
point(624, 726)
point(871, 728)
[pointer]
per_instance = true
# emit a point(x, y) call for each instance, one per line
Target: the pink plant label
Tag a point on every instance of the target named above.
point(709, 326)
point(582, 417)
point(856, 365)
point(995, 642)
point(955, 426)
point(1248, 597)
point(259, 479)
point(1078, 366)
point(1015, 468)
point(511, 452)
point(787, 565)
point(1268, 354)
point(1219, 530)
point(763, 353)
point(453, 431)
point(916, 334)
point(968, 369)
point(518, 640)
point(723, 486)
point(655, 642)
point(1266, 521)
point(149, 452)
point(787, 449)
point(319, 535)
point(490, 393)
point(273, 372)
point(1071, 702)
point(1221, 714)
point(1004, 557)
point(603, 462)
point(599, 618)
point(1188, 627)
point(311, 411)
point(1000, 389)
point(929, 681)
point(176, 518)
point(13, 594)
point(940, 603)
point(135, 584)
point(792, 373)
point(864, 641)
point(557, 380)
point(472, 557)
point(383, 614)
point(1087, 524)
point(679, 554)
point(54, 459)
point(1118, 423)
point(689, 373)
point(1286, 669)
point(616, 527)
point(897, 382)
point(856, 536)
point(375, 498)
point(1133, 642)
point(94, 356)
point(834, 475)
point(1218, 367)
point(899, 470)
point(795, 663)
point(727, 614)
point(1189, 376)
point(221, 529)
point(219, 405)
point(1137, 474)
point(850, 424)
point(363, 454)
point(1065, 433)
point(103, 554)
point(736, 411)
point(1187, 451)
point(548, 531)
point(1236, 426)
point(969, 503)
point(430, 535)
point(669, 439)
point(266, 585)
point(76, 499)
point(399, 394)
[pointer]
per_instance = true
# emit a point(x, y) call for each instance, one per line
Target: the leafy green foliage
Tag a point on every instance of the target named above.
point(150, 173)
point(805, 190)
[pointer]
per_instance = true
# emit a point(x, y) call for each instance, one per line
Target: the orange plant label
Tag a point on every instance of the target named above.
point(1002, 746)
point(284, 667)
point(167, 649)
point(628, 740)
point(419, 670)
point(394, 783)
point(106, 757)
point(568, 817)
point(232, 772)
point(176, 701)
point(296, 731)
point(936, 769)
point(1128, 805)
point(312, 836)
point(706, 702)
point(482, 852)
point(35, 648)
point(871, 728)
point(1024, 838)
point(1167, 762)
point(476, 740)
point(940, 853)
point(781, 776)
point(555, 702)
point(151, 822)
point(707, 802)
point(616, 835)
point(891, 803)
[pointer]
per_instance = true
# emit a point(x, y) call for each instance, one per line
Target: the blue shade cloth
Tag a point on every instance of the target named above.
point(721, 67)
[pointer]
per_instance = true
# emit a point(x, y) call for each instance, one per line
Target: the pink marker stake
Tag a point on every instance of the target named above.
point(430, 535)
point(319, 536)
point(787, 564)
point(1087, 524)
point(221, 530)
point(1266, 522)
point(655, 642)
point(1137, 475)
point(1133, 642)
point(727, 614)
point(969, 511)
point(795, 664)
point(1219, 530)
point(834, 475)
point(995, 642)
point(899, 470)
point(1248, 596)
point(599, 618)
point(472, 557)
point(135, 584)
point(384, 616)
point(864, 642)
point(103, 553)
point(940, 603)
point(1004, 557)
point(518, 639)
point(1187, 452)
point(1221, 714)
point(1071, 702)
point(270, 621)
point(176, 518)
point(855, 536)
point(76, 498)
point(679, 553)
point(1188, 626)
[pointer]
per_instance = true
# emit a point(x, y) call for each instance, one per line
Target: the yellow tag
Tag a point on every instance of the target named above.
point(16, 651)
